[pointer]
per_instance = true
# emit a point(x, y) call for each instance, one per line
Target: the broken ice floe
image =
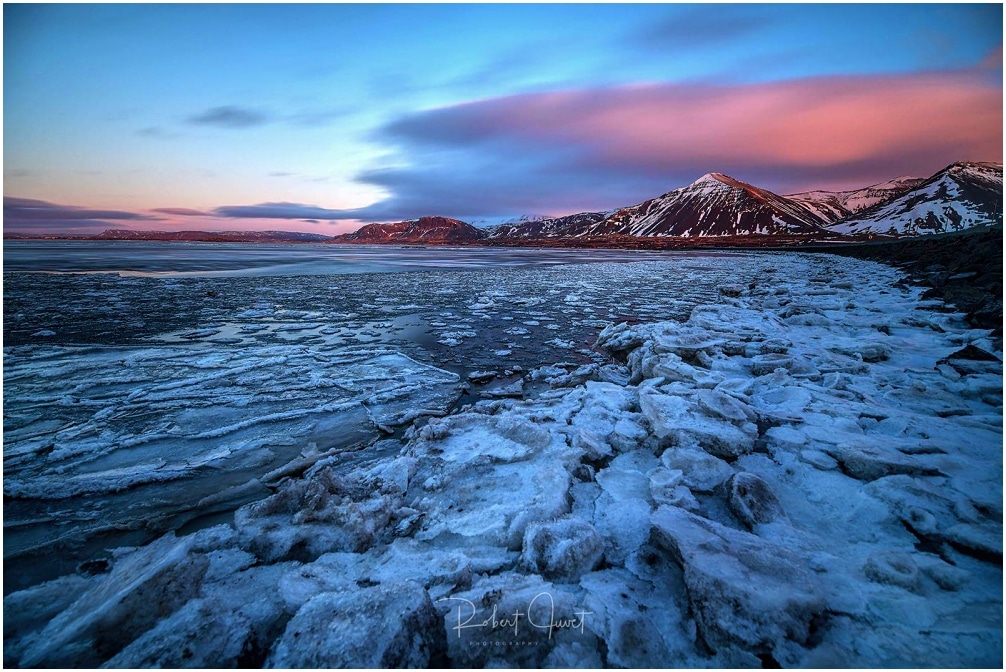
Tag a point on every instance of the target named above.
point(767, 483)
point(123, 428)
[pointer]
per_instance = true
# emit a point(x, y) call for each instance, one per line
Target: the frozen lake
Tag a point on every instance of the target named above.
point(155, 391)
point(726, 460)
point(229, 259)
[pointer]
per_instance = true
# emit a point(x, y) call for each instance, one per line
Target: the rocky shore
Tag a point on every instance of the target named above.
point(963, 269)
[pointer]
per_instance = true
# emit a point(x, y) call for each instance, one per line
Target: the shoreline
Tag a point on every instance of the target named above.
point(963, 269)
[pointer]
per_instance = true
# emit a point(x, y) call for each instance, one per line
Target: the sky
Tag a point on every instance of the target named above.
point(320, 118)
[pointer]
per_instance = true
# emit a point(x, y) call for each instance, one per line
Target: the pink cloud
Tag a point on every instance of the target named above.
point(833, 127)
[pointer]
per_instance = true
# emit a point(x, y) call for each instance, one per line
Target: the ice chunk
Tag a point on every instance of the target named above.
point(233, 622)
point(783, 402)
point(618, 338)
point(752, 500)
point(318, 514)
point(725, 406)
point(700, 471)
point(742, 589)
point(641, 621)
point(870, 462)
point(892, 567)
point(673, 416)
point(487, 477)
point(390, 625)
point(116, 610)
point(624, 525)
point(818, 459)
point(563, 549)
point(664, 412)
point(940, 513)
point(666, 488)
point(30, 609)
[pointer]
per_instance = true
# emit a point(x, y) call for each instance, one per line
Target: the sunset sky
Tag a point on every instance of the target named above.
point(318, 118)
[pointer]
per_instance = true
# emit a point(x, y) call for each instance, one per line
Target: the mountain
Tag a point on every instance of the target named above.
point(713, 205)
point(836, 205)
point(547, 227)
point(214, 236)
point(960, 196)
point(430, 230)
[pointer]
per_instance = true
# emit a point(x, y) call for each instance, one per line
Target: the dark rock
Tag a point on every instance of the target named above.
point(972, 353)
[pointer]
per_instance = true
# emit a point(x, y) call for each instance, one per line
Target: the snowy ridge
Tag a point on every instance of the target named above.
point(713, 205)
point(547, 227)
point(806, 472)
point(422, 230)
point(959, 197)
point(836, 205)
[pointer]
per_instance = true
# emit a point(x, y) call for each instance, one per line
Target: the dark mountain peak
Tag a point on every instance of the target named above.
point(434, 230)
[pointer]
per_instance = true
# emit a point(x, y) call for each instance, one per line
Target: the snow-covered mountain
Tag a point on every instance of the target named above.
point(713, 205)
point(961, 196)
point(433, 230)
point(547, 227)
point(836, 205)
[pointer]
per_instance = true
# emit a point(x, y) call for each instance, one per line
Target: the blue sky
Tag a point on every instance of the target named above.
point(351, 113)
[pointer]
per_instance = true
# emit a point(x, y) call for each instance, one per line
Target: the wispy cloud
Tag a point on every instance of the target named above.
point(230, 116)
point(182, 212)
point(591, 149)
point(22, 214)
point(283, 210)
point(580, 146)
point(156, 132)
point(704, 27)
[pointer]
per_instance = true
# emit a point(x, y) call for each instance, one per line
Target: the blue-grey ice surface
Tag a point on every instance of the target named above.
point(643, 470)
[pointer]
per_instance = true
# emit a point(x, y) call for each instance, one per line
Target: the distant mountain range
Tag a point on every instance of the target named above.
point(214, 236)
point(184, 236)
point(716, 206)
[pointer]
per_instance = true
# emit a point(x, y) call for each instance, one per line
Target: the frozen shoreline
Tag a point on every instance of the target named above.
point(797, 474)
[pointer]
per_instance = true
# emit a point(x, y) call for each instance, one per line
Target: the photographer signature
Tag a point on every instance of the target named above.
point(544, 621)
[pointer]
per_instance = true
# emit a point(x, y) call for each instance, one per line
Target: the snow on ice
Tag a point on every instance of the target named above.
point(802, 474)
